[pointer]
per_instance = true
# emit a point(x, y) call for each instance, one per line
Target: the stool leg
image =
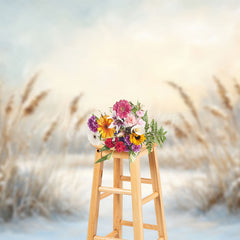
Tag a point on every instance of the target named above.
point(156, 184)
point(117, 198)
point(136, 199)
point(95, 198)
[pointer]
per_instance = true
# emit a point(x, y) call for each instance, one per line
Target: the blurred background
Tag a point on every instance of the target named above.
point(60, 61)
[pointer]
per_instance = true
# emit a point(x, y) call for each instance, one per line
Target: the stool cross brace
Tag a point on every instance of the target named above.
point(100, 192)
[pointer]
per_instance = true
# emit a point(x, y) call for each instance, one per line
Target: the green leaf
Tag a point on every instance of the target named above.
point(155, 127)
point(134, 109)
point(132, 156)
point(106, 157)
point(152, 126)
point(145, 117)
point(138, 105)
point(104, 148)
point(131, 104)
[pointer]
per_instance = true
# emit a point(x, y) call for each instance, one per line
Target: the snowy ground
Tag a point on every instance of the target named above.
point(217, 224)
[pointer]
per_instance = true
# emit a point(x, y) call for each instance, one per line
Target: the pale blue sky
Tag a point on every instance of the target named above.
point(105, 41)
point(28, 29)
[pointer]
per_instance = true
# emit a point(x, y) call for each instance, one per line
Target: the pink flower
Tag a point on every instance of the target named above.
point(122, 108)
point(141, 122)
point(130, 120)
point(140, 113)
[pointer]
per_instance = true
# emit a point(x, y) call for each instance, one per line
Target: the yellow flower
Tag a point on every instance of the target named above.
point(137, 139)
point(104, 122)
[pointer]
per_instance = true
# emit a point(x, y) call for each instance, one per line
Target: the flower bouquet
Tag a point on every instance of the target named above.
point(126, 130)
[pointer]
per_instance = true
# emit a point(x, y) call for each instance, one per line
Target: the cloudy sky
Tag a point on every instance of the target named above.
point(120, 48)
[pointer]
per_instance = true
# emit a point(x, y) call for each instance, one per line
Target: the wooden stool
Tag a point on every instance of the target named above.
point(99, 192)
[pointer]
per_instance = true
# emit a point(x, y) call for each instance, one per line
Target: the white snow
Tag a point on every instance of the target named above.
point(217, 224)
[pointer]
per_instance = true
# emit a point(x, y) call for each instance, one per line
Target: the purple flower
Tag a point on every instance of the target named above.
point(121, 139)
point(136, 148)
point(92, 123)
point(126, 148)
point(127, 140)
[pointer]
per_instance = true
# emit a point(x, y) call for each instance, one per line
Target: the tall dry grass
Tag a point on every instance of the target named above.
point(29, 179)
point(210, 140)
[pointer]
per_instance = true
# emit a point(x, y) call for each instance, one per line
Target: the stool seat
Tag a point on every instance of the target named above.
point(123, 155)
point(100, 192)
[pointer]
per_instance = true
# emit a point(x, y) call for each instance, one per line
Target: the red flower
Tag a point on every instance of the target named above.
point(120, 147)
point(109, 143)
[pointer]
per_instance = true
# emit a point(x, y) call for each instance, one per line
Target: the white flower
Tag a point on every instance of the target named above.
point(117, 121)
point(138, 129)
point(111, 125)
point(120, 134)
point(114, 114)
point(94, 138)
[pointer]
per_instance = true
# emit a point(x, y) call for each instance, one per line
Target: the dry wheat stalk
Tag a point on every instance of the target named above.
point(167, 122)
point(25, 95)
point(187, 100)
point(179, 132)
point(2, 178)
point(201, 140)
point(236, 86)
point(223, 94)
point(74, 104)
point(216, 112)
point(29, 109)
point(72, 109)
point(187, 124)
point(9, 106)
point(50, 130)
point(34, 193)
point(0, 97)
point(29, 87)
point(81, 121)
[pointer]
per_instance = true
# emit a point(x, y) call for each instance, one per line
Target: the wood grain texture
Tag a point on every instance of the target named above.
point(145, 225)
point(158, 202)
point(107, 238)
point(150, 197)
point(115, 190)
point(123, 155)
point(117, 198)
point(113, 234)
point(136, 199)
point(104, 195)
point(143, 180)
point(95, 198)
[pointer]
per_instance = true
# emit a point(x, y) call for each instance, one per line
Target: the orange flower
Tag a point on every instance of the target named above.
point(104, 122)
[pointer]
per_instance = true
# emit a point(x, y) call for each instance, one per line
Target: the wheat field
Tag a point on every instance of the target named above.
point(33, 179)
point(30, 182)
point(207, 139)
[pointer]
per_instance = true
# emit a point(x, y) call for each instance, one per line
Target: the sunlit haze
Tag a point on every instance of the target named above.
point(120, 49)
